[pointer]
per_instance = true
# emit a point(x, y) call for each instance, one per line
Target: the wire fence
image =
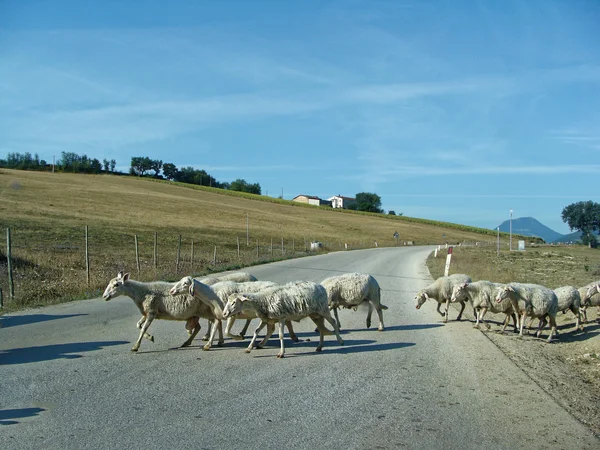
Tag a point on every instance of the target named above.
point(49, 264)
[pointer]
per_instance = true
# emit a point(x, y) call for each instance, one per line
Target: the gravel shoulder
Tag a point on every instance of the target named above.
point(568, 369)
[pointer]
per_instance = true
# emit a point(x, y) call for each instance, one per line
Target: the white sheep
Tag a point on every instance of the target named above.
point(293, 301)
point(215, 297)
point(482, 295)
point(155, 302)
point(350, 290)
point(531, 300)
point(569, 298)
point(238, 277)
point(441, 291)
point(590, 296)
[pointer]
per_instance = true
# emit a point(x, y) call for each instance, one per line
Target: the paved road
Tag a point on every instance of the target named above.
point(69, 381)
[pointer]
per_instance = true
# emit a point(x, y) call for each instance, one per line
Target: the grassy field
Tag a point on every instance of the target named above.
point(550, 266)
point(47, 214)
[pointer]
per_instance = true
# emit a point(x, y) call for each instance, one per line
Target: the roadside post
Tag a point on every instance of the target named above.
point(448, 259)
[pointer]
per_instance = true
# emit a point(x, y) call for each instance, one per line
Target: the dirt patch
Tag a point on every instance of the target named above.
point(568, 368)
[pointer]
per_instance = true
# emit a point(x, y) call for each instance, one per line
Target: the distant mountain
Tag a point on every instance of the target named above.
point(528, 226)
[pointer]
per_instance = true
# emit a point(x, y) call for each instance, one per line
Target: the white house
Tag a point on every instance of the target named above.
point(339, 201)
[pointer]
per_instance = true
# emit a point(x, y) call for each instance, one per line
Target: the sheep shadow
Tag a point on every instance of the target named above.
point(6, 415)
point(14, 321)
point(50, 352)
point(350, 346)
point(412, 327)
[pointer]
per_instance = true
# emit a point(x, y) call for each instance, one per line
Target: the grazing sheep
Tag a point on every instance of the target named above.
point(531, 300)
point(293, 301)
point(155, 302)
point(590, 296)
point(215, 297)
point(441, 291)
point(482, 295)
point(350, 290)
point(569, 298)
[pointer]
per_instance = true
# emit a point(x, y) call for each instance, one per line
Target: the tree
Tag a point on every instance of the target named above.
point(366, 201)
point(391, 212)
point(113, 164)
point(244, 186)
point(156, 165)
point(170, 171)
point(584, 217)
point(140, 165)
point(106, 164)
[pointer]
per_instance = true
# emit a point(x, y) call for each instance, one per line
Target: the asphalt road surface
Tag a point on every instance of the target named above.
point(69, 381)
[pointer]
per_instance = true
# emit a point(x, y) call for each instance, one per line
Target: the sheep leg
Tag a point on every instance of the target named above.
point(482, 313)
point(139, 326)
point(150, 317)
point(521, 322)
point(446, 312)
point(230, 322)
point(462, 308)
point(380, 315)
point(320, 323)
point(337, 319)
point(290, 328)
point(575, 311)
point(220, 330)
point(213, 331)
point(584, 313)
point(245, 329)
point(438, 309)
point(268, 334)
point(541, 325)
point(256, 331)
point(194, 332)
point(552, 328)
point(336, 330)
point(281, 353)
point(369, 315)
point(207, 335)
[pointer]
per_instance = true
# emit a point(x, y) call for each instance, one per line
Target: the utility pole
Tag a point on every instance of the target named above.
point(510, 231)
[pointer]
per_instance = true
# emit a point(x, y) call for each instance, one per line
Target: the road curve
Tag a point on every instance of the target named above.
point(69, 381)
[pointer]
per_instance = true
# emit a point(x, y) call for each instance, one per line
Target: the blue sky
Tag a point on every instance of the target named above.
point(449, 110)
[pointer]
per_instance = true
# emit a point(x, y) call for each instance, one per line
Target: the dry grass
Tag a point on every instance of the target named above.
point(551, 266)
point(47, 214)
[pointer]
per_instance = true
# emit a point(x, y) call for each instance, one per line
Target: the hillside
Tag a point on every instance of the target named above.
point(178, 229)
point(528, 226)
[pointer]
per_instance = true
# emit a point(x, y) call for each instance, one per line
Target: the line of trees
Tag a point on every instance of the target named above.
point(584, 217)
point(144, 166)
point(68, 162)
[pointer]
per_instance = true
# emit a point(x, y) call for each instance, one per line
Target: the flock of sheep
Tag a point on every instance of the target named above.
point(240, 295)
point(516, 300)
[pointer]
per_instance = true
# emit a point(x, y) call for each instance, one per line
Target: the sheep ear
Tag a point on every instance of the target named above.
point(126, 277)
point(120, 274)
point(425, 294)
point(243, 298)
point(191, 289)
point(464, 285)
point(510, 288)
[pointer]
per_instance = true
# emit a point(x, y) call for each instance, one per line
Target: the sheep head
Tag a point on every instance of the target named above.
point(592, 290)
point(504, 292)
point(459, 292)
point(114, 285)
point(234, 305)
point(421, 297)
point(185, 285)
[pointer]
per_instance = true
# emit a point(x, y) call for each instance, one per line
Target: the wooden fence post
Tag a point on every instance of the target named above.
point(293, 246)
point(282, 246)
point(238, 245)
point(1, 299)
point(271, 248)
point(137, 255)
point(192, 257)
point(178, 254)
point(155, 247)
point(11, 286)
point(87, 257)
point(257, 254)
point(215, 256)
